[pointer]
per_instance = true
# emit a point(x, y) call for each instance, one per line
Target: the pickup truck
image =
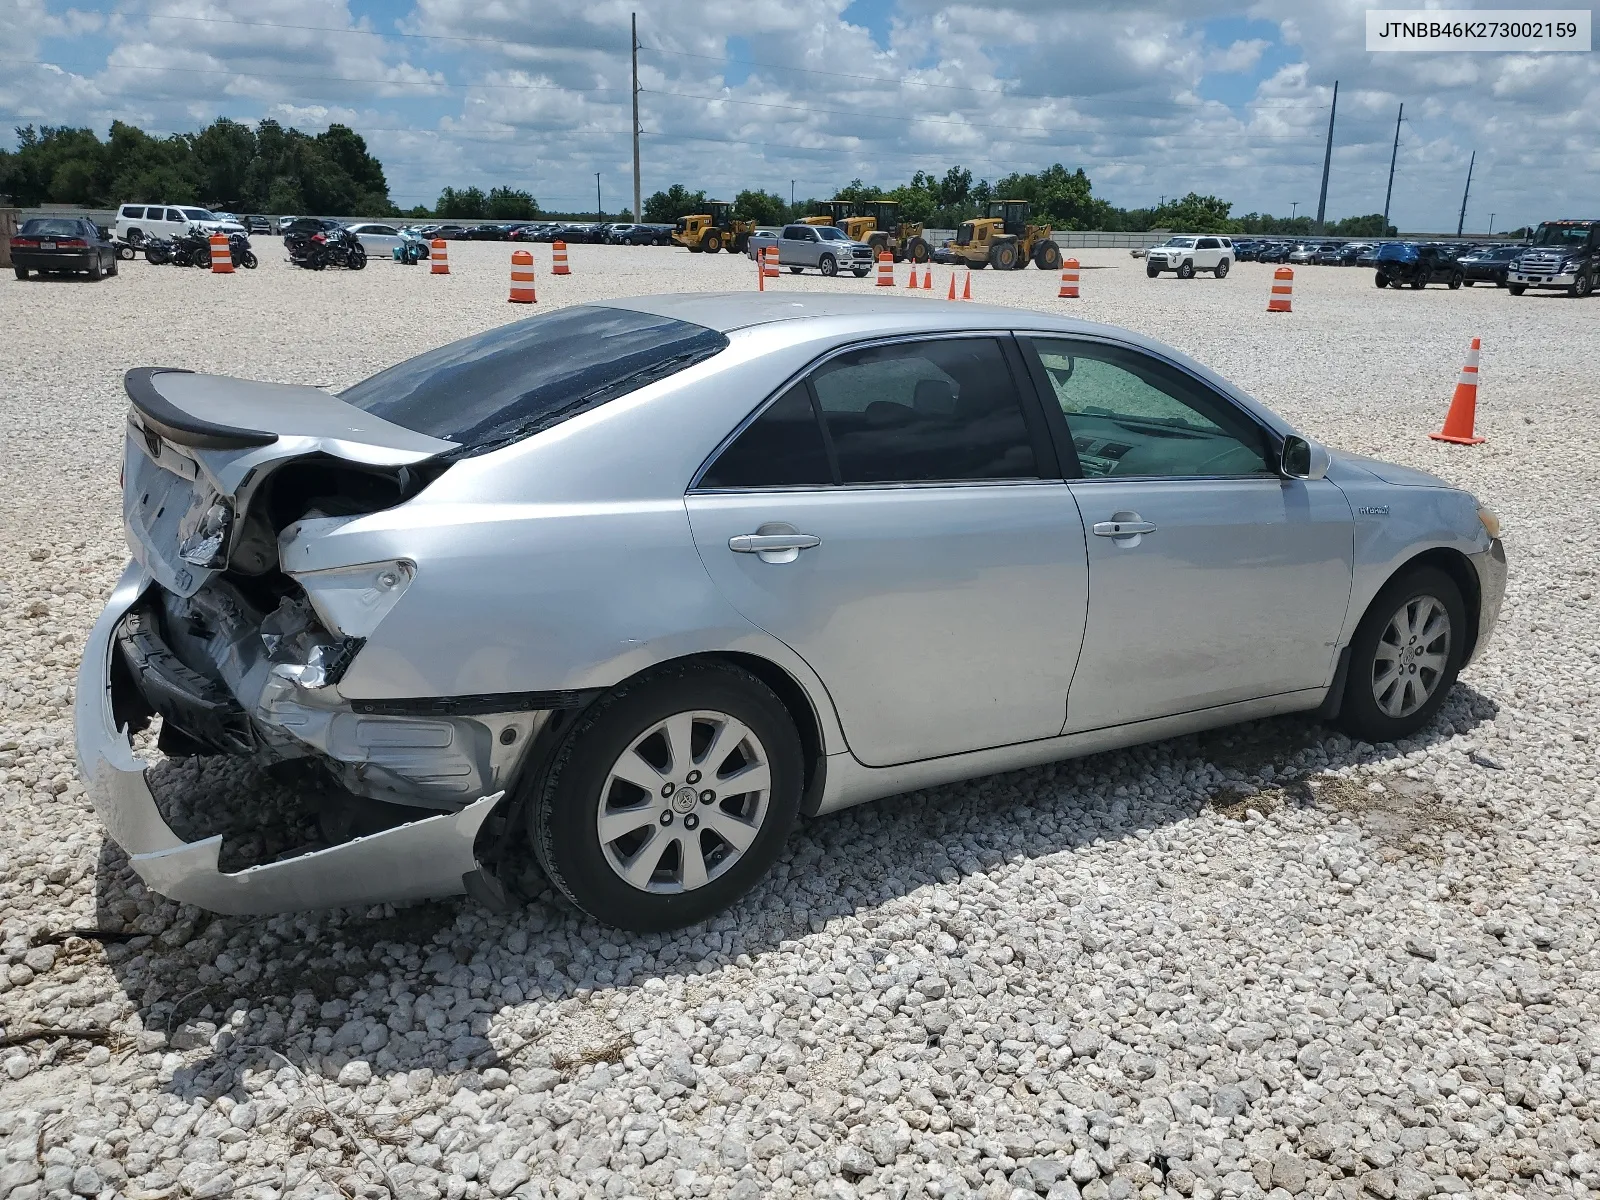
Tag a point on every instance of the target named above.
point(1564, 254)
point(824, 247)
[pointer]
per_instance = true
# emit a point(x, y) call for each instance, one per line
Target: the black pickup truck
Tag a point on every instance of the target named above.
point(1563, 254)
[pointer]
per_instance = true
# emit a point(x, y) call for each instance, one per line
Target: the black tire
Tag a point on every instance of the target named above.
point(1418, 282)
point(96, 272)
point(135, 237)
point(712, 242)
point(1359, 715)
point(1152, 272)
point(1222, 269)
point(741, 243)
point(127, 251)
point(22, 272)
point(112, 269)
point(562, 814)
point(1186, 269)
point(1047, 256)
point(695, 248)
point(861, 272)
point(1456, 281)
point(1516, 289)
point(248, 260)
point(1468, 282)
point(917, 250)
point(1004, 256)
point(828, 265)
point(795, 270)
point(356, 260)
point(1581, 286)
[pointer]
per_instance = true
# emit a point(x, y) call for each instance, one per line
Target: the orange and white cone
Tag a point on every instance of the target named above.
point(221, 255)
point(766, 267)
point(1282, 290)
point(1069, 280)
point(438, 257)
point(522, 278)
point(1463, 414)
point(885, 269)
point(558, 259)
point(912, 281)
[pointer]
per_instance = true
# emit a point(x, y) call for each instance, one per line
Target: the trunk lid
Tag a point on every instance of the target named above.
point(200, 448)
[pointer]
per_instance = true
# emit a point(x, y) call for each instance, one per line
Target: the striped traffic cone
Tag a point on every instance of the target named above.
point(1282, 290)
point(221, 255)
point(1459, 421)
point(558, 259)
point(885, 269)
point(1069, 280)
point(438, 257)
point(911, 282)
point(522, 278)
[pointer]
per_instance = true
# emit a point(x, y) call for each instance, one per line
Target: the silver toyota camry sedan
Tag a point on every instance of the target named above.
point(630, 586)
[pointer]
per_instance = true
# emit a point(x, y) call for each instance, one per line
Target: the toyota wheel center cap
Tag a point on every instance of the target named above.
point(683, 800)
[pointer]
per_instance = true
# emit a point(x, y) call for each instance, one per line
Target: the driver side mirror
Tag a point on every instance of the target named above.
point(1302, 459)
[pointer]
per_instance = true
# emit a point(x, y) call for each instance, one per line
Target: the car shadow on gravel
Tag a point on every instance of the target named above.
point(248, 992)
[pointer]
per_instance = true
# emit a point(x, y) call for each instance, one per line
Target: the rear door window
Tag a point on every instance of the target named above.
point(132, 213)
point(925, 412)
point(782, 447)
point(174, 214)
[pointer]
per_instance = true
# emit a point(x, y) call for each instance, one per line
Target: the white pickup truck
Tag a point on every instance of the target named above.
point(1187, 254)
point(824, 247)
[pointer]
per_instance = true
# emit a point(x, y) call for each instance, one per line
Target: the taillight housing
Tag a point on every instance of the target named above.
point(18, 242)
point(319, 237)
point(74, 242)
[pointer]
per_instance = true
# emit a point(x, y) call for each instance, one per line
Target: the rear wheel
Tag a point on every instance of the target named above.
point(1222, 269)
point(712, 242)
point(741, 242)
point(1004, 256)
point(670, 798)
point(1467, 282)
point(795, 270)
point(1418, 282)
point(917, 250)
point(357, 259)
point(22, 272)
point(1047, 257)
point(96, 272)
point(247, 260)
point(1404, 656)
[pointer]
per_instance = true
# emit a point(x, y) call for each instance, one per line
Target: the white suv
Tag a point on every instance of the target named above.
point(1187, 254)
point(136, 222)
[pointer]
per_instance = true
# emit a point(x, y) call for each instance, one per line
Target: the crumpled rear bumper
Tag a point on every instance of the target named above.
point(426, 858)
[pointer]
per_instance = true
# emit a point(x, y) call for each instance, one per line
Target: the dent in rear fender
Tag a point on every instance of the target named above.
point(1394, 524)
point(545, 598)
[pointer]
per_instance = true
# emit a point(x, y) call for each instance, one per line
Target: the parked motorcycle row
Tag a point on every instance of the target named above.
point(193, 249)
point(317, 245)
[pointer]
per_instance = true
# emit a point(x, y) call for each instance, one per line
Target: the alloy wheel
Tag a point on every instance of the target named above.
point(683, 802)
point(1411, 656)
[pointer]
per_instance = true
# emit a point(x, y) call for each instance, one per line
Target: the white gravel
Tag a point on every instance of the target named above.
point(1259, 961)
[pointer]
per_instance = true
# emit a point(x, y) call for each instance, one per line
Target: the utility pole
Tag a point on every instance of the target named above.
point(1462, 220)
point(599, 212)
point(1491, 224)
point(791, 197)
point(1393, 154)
point(1293, 205)
point(638, 215)
point(1327, 159)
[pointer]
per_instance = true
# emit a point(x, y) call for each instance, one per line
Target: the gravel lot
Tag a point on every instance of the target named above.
point(1263, 960)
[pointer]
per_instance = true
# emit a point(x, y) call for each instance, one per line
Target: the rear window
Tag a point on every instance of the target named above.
point(498, 387)
point(52, 227)
point(133, 213)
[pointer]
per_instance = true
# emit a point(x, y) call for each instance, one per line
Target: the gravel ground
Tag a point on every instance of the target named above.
point(1260, 961)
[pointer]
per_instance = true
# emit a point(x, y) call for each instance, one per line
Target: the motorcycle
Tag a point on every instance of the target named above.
point(412, 248)
point(239, 249)
point(192, 248)
point(157, 251)
point(327, 248)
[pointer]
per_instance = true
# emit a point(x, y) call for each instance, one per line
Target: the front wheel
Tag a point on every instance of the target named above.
point(1404, 656)
point(861, 272)
point(828, 265)
point(1047, 257)
point(1419, 282)
point(1152, 272)
point(1186, 269)
point(1222, 269)
point(1456, 281)
point(712, 242)
point(1004, 256)
point(1581, 286)
point(795, 270)
point(1516, 289)
point(741, 243)
point(917, 250)
point(248, 260)
point(670, 798)
point(357, 258)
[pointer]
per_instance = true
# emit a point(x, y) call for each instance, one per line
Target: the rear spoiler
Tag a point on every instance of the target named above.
point(160, 415)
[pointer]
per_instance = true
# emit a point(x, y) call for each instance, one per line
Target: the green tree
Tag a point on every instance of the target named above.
point(1371, 225)
point(1194, 213)
point(466, 205)
point(662, 208)
point(764, 208)
point(506, 204)
point(222, 154)
point(856, 190)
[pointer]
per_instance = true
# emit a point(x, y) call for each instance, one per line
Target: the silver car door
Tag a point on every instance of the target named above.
point(938, 588)
point(1212, 579)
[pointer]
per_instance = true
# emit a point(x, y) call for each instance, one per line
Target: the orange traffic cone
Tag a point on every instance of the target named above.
point(1282, 290)
point(927, 279)
point(966, 291)
point(885, 269)
point(438, 257)
point(952, 294)
point(1069, 280)
point(221, 255)
point(558, 259)
point(1458, 422)
point(911, 282)
point(522, 278)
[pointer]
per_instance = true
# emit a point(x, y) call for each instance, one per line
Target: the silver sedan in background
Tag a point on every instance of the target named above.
point(377, 238)
point(631, 585)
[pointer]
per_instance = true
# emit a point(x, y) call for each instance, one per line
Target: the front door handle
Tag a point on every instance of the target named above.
point(760, 543)
point(1120, 528)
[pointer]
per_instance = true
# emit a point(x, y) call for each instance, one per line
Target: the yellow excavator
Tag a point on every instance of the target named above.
point(876, 222)
point(1005, 238)
point(713, 230)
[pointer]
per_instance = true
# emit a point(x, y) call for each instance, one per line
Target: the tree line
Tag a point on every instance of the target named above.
point(1064, 199)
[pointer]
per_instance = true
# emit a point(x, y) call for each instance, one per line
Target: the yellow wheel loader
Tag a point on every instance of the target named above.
point(713, 230)
point(876, 222)
point(1005, 239)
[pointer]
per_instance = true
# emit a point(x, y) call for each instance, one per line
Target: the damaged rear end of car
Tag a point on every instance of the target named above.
point(222, 629)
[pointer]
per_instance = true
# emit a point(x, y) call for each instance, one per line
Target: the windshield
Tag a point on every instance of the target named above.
point(1179, 241)
point(829, 233)
point(1570, 236)
point(508, 383)
point(200, 214)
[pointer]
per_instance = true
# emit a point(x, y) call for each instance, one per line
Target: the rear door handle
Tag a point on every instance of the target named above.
point(761, 543)
point(1112, 529)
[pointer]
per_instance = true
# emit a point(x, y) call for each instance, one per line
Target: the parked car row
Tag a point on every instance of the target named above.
point(613, 233)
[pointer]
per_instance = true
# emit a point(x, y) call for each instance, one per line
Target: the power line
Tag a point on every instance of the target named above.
point(553, 87)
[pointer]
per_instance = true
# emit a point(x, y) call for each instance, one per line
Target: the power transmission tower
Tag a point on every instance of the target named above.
point(1327, 159)
point(1393, 154)
point(1461, 222)
point(634, 21)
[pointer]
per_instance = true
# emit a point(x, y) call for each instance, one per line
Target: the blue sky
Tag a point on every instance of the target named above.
point(1152, 98)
